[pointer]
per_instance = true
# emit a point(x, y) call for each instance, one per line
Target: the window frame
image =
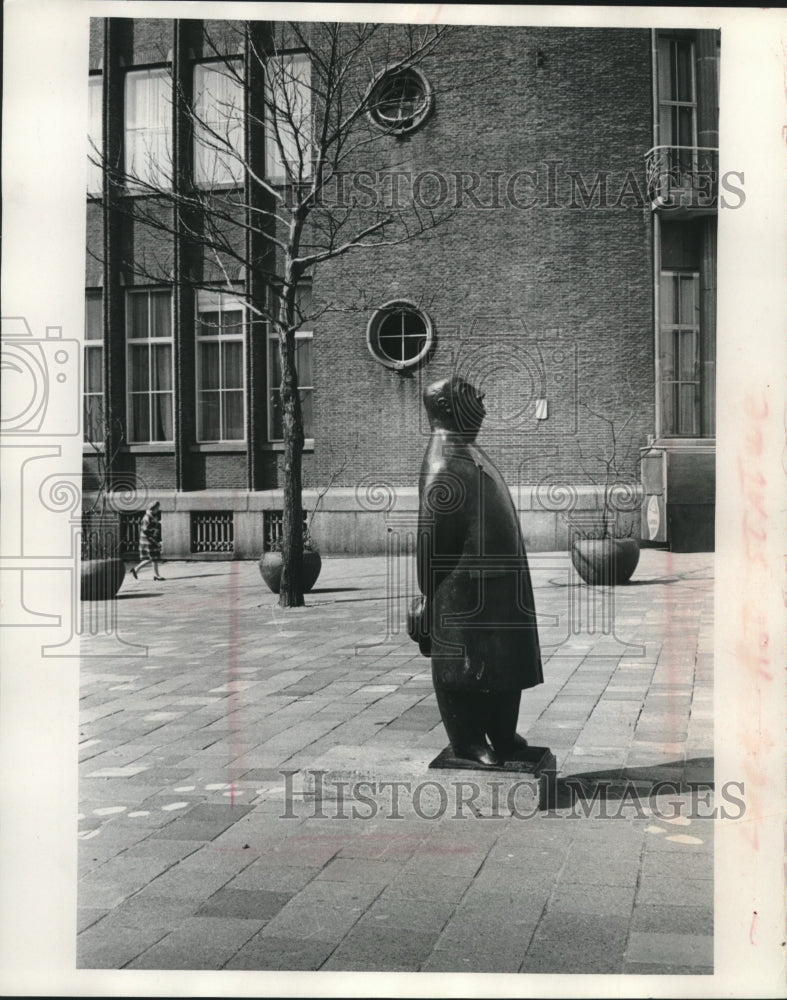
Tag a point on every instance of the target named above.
point(219, 338)
point(149, 341)
point(198, 148)
point(416, 120)
point(670, 424)
point(671, 100)
point(140, 182)
point(376, 320)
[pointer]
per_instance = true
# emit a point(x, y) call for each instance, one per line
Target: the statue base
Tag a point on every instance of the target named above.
point(528, 760)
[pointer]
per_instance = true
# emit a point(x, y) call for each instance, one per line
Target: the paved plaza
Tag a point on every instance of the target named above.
point(255, 791)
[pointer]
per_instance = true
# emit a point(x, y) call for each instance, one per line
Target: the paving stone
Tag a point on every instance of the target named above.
point(247, 904)
point(323, 910)
point(380, 949)
point(98, 950)
point(198, 943)
point(603, 900)
point(673, 919)
point(281, 954)
point(596, 944)
point(663, 891)
point(671, 948)
point(360, 870)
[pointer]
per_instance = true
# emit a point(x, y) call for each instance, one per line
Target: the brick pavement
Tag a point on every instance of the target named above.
point(204, 846)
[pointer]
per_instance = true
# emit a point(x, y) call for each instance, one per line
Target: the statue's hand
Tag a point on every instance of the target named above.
point(417, 625)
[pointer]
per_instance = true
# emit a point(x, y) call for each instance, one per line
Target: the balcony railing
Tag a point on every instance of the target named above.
point(683, 178)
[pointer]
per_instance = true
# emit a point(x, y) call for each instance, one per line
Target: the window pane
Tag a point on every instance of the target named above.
point(689, 304)
point(276, 429)
point(138, 315)
point(667, 303)
point(162, 416)
point(209, 324)
point(95, 136)
point(209, 429)
point(139, 368)
point(209, 365)
point(233, 416)
point(232, 322)
point(308, 416)
point(93, 316)
point(683, 71)
point(687, 415)
point(218, 132)
point(161, 313)
point(288, 119)
point(687, 370)
point(232, 364)
point(274, 362)
point(303, 360)
point(93, 368)
point(140, 418)
point(162, 366)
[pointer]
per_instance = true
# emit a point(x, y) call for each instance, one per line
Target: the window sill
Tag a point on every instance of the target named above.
point(157, 448)
point(682, 444)
point(308, 445)
point(218, 446)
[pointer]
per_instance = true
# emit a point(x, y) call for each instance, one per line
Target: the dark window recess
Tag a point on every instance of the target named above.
point(272, 528)
point(212, 531)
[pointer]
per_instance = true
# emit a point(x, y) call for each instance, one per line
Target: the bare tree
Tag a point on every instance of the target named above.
point(321, 94)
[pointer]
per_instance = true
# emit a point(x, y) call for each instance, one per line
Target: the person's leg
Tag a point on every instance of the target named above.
point(139, 566)
point(502, 717)
point(156, 575)
point(464, 717)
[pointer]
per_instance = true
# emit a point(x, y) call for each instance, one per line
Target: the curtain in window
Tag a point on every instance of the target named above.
point(288, 146)
point(148, 135)
point(218, 125)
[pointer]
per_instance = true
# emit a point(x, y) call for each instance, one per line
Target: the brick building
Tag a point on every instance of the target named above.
point(574, 279)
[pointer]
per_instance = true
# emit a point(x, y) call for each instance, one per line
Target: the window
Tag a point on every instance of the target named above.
point(93, 400)
point(149, 337)
point(95, 136)
point(219, 367)
point(148, 148)
point(218, 125)
point(399, 335)
point(677, 124)
point(685, 380)
point(400, 100)
point(288, 117)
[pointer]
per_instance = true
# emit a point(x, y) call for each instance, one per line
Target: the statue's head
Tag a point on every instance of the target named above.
point(455, 405)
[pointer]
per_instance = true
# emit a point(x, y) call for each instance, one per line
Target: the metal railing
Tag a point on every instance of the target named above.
point(212, 531)
point(129, 533)
point(272, 528)
point(683, 177)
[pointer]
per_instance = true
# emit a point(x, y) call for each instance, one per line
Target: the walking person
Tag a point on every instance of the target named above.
point(150, 541)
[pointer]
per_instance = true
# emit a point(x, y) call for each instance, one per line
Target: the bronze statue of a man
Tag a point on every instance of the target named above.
point(478, 608)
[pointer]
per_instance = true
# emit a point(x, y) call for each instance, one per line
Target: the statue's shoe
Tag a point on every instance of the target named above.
point(510, 748)
point(478, 753)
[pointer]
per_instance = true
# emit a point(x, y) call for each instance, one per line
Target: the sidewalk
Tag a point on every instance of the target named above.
point(203, 845)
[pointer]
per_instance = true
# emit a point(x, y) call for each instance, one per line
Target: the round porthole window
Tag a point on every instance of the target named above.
point(400, 100)
point(399, 335)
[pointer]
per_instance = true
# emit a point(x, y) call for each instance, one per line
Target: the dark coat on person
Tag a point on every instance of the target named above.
point(473, 571)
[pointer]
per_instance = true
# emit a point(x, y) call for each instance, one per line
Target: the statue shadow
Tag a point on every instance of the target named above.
point(631, 783)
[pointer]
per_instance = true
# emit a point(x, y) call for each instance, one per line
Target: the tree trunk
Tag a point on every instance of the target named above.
point(291, 590)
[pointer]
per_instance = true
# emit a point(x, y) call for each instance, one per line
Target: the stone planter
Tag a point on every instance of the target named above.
point(270, 569)
point(605, 561)
point(101, 579)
